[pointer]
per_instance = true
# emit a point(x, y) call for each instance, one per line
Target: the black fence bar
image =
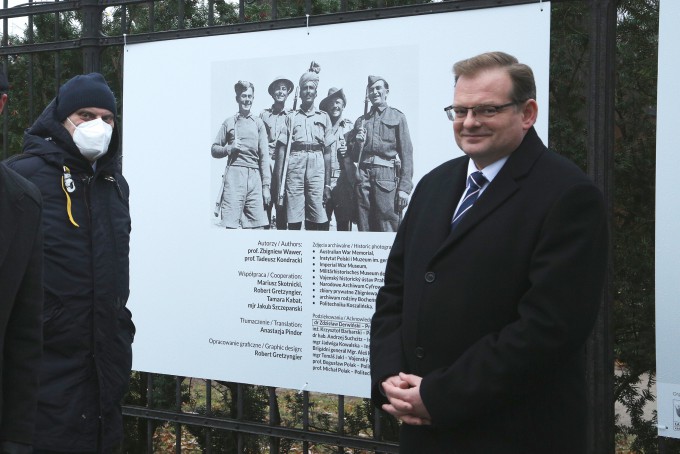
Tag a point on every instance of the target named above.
point(123, 20)
point(243, 27)
point(208, 412)
point(305, 419)
point(92, 26)
point(239, 414)
point(42, 8)
point(253, 428)
point(57, 56)
point(341, 420)
point(31, 61)
point(152, 17)
point(180, 13)
point(149, 422)
point(178, 409)
point(4, 67)
point(274, 419)
point(600, 158)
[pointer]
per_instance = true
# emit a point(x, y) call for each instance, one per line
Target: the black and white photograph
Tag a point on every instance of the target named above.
point(340, 151)
point(271, 171)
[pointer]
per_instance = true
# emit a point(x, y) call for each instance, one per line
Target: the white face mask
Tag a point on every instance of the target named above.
point(92, 138)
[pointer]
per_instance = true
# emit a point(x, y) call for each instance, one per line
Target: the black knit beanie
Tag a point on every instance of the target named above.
point(87, 90)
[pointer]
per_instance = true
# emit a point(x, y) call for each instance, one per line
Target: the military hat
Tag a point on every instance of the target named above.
point(333, 94)
point(287, 83)
point(374, 79)
point(311, 75)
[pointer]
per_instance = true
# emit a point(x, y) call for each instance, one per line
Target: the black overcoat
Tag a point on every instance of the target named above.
point(494, 316)
point(20, 308)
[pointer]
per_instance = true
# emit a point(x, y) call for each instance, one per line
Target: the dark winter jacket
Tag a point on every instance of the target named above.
point(20, 309)
point(87, 331)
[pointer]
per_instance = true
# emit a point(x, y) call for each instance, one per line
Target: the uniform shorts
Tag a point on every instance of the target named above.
point(304, 187)
point(242, 204)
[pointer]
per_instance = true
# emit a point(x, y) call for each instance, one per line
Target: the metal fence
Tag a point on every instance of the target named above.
point(264, 436)
point(138, 21)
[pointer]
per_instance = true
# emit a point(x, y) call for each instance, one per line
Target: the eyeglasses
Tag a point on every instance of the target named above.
point(460, 113)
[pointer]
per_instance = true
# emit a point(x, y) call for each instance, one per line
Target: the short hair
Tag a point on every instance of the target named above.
point(521, 75)
point(243, 85)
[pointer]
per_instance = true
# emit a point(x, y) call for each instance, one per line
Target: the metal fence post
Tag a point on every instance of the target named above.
point(600, 143)
point(92, 27)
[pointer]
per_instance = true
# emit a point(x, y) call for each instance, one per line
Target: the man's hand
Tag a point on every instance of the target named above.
point(266, 195)
point(326, 194)
point(360, 133)
point(403, 200)
point(233, 147)
point(405, 404)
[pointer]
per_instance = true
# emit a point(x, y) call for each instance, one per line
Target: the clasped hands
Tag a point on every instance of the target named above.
point(403, 393)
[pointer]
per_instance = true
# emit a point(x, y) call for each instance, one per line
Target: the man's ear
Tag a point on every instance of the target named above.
point(529, 114)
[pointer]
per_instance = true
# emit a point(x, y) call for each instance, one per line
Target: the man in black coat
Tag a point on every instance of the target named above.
point(72, 154)
point(20, 305)
point(492, 288)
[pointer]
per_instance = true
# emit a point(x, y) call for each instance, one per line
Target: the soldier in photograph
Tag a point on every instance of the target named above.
point(274, 119)
point(242, 139)
point(343, 170)
point(381, 147)
point(303, 161)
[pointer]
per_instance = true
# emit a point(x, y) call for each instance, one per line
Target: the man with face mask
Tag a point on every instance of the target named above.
point(242, 139)
point(72, 154)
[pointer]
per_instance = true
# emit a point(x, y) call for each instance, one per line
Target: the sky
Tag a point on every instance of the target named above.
point(16, 26)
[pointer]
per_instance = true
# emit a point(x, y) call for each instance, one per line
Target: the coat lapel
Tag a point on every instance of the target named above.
point(447, 194)
point(506, 183)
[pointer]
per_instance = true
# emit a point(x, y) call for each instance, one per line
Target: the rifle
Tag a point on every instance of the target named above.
point(397, 179)
point(289, 142)
point(218, 203)
point(361, 145)
point(220, 195)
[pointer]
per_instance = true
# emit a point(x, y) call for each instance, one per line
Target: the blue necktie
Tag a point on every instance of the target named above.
point(474, 183)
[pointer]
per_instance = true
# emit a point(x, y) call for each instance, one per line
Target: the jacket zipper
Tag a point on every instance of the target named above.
point(87, 180)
